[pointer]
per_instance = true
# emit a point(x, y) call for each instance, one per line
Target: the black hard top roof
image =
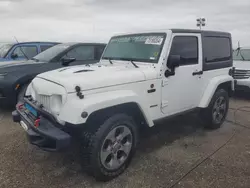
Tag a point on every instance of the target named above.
point(204, 32)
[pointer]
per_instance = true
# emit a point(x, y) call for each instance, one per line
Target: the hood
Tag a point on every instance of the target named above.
point(13, 66)
point(98, 76)
point(13, 63)
point(242, 65)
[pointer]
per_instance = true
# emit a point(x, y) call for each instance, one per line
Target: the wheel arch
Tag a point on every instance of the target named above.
point(131, 108)
point(222, 82)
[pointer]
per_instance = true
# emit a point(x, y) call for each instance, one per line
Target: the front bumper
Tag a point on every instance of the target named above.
point(243, 85)
point(7, 95)
point(47, 135)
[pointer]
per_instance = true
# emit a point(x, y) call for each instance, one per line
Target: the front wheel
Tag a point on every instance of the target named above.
point(215, 114)
point(110, 149)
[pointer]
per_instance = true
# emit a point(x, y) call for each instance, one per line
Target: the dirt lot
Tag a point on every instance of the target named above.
point(165, 155)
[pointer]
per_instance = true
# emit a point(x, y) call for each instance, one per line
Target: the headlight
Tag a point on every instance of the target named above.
point(2, 75)
point(55, 103)
point(31, 91)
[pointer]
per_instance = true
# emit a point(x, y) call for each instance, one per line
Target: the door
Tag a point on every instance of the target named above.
point(182, 91)
point(24, 52)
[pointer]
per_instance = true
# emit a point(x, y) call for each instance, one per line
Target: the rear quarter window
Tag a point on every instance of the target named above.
point(217, 52)
point(217, 49)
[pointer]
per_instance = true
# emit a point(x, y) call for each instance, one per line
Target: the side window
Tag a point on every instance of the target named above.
point(29, 51)
point(99, 51)
point(45, 47)
point(217, 49)
point(82, 53)
point(187, 48)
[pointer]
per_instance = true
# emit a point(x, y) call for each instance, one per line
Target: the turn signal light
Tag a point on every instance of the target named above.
point(20, 106)
point(37, 123)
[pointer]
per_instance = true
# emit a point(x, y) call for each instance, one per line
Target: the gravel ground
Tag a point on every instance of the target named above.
point(166, 153)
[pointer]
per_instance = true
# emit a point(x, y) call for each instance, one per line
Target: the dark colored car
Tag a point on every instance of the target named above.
point(15, 77)
point(23, 51)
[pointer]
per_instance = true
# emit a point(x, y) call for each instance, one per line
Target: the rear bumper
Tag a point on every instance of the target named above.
point(46, 136)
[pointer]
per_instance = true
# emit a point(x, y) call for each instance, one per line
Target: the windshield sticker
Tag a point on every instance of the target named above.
point(152, 58)
point(156, 54)
point(155, 40)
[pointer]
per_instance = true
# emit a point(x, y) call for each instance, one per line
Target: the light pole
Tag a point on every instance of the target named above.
point(201, 22)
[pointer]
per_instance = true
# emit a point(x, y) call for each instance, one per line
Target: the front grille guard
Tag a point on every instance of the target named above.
point(240, 73)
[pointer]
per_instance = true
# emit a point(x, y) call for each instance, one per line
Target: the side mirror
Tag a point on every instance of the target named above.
point(14, 56)
point(173, 61)
point(66, 61)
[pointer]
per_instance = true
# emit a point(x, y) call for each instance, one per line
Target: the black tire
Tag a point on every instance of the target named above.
point(94, 141)
point(211, 121)
point(21, 93)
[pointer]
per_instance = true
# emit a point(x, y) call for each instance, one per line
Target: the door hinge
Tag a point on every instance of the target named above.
point(164, 82)
point(164, 104)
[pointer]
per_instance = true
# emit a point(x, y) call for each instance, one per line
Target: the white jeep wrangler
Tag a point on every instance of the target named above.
point(142, 78)
point(241, 58)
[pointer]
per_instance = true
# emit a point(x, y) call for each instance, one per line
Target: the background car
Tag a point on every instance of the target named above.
point(24, 50)
point(15, 77)
point(241, 58)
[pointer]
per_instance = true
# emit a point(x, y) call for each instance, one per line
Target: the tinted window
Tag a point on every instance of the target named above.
point(23, 51)
point(45, 47)
point(82, 53)
point(99, 51)
point(187, 48)
point(51, 53)
point(217, 49)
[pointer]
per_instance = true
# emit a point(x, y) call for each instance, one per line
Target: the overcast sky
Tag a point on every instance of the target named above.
point(97, 20)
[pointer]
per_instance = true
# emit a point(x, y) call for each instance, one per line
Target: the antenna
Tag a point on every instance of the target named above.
point(239, 51)
point(21, 48)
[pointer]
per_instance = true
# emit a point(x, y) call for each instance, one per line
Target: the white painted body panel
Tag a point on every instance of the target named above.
point(105, 85)
point(182, 91)
point(243, 65)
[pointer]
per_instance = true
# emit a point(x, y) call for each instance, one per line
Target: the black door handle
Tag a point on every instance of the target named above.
point(197, 73)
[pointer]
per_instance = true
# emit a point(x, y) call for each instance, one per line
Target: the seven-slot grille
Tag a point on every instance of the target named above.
point(241, 74)
point(45, 101)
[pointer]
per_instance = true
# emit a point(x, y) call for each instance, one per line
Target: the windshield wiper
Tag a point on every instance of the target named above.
point(130, 60)
point(108, 59)
point(134, 64)
point(124, 59)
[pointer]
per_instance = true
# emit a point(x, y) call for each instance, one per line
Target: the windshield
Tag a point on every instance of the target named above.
point(4, 49)
point(242, 55)
point(139, 47)
point(51, 53)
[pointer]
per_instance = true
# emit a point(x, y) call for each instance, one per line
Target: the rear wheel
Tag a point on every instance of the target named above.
point(108, 151)
point(214, 115)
